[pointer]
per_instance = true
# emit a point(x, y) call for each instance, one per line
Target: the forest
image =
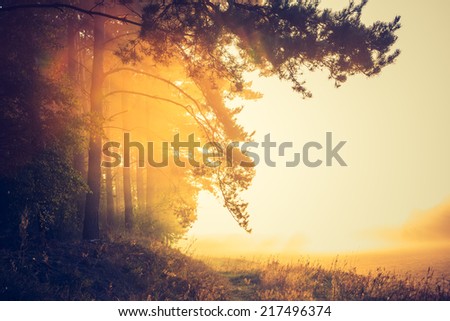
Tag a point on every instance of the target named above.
point(77, 75)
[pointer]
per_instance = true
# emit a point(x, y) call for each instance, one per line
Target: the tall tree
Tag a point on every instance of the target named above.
point(110, 204)
point(91, 215)
point(126, 171)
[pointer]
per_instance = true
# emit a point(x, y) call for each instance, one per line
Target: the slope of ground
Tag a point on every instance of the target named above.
point(106, 271)
point(127, 271)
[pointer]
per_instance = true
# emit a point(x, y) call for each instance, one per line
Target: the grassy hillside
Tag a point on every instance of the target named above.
point(106, 271)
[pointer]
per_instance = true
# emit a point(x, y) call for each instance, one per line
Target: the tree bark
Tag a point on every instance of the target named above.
point(73, 75)
point(140, 180)
point(127, 196)
point(148, 194)
point(110, 206)
point(91, 215)
point(79, 155)
point(119, 193)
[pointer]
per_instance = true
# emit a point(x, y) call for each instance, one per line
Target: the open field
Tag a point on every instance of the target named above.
point(401, 275)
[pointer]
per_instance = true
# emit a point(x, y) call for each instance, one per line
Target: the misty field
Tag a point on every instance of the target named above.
point(306, 280)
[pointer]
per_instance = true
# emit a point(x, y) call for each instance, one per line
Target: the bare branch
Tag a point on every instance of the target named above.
point(156, 77)
point(145, 95)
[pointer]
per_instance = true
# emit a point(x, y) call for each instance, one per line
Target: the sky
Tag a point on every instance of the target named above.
point(397, 151)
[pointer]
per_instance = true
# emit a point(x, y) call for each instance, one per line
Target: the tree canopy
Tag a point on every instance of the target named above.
point(275, 37)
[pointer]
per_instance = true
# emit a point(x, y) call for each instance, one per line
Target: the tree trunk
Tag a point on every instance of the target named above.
point(119, 192)
point(110, 206)
point(140, 188)
point(148, 194)
point(72, 50)
point(91, 214)
point(109, 193)
point(127, 196)
point(79, 155)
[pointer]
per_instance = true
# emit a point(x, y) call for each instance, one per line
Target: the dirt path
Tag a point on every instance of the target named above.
point(244, 285)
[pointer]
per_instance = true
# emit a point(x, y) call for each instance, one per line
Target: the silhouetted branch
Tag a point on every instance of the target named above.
point(145, 95)
point(209, 125)
point(61, 6)
point(156, 77)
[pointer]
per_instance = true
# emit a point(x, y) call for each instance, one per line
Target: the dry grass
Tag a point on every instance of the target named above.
point(128, 271)
point(304, 280)
point(107, 271)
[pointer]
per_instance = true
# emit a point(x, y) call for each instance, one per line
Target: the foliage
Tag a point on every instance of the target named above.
point(25, 93)
point(276, 37)
point(39, 202)
point(40, 134)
